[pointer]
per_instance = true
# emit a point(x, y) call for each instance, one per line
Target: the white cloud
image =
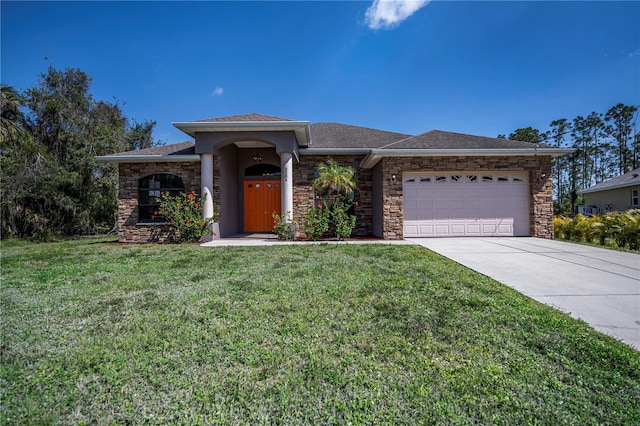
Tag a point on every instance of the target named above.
point(635, 54)
point(218, 91)
point(387, 14)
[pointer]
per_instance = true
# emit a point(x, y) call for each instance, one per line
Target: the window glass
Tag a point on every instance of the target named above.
point(149, 190)
point(635, 201)
point(262, 170)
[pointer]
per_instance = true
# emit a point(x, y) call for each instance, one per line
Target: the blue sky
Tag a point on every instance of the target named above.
point(473, 67)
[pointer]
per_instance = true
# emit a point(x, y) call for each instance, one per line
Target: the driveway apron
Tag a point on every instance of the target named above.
point(599, 286)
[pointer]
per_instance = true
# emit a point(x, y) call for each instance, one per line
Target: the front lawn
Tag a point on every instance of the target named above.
point(99, 333)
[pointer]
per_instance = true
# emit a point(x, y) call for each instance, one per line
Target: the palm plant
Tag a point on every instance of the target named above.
point(11, 118)
point(334, 180)
point(335, 185)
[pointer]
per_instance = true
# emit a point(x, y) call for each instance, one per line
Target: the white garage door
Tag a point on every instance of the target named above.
point(465, 204)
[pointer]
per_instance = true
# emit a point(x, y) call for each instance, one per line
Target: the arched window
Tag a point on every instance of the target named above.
point(149, 190)
point(262, 170)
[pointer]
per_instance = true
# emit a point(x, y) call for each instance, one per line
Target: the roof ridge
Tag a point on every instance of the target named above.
point(252, 116)
point(405, 139)
point(362, 127)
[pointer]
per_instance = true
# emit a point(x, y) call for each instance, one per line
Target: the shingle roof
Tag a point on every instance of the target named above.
point(244, 117)
point(631, 178)
point(335, 135)
point(181, 148)
point(438, 139)
point(343, 136)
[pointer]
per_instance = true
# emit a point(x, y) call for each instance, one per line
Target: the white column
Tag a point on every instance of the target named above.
point(286, 168)
point(206, 183)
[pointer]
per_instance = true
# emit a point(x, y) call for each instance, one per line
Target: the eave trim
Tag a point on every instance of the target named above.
point(302, 129)
point(149, 158)
point(376, 155)
point(619, 186)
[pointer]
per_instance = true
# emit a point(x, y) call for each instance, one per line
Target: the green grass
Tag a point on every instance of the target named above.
point(98, 333)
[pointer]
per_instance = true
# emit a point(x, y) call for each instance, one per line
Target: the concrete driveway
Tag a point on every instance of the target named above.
point(599, 286)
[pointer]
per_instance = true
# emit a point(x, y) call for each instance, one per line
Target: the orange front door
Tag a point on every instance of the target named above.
point(261, 200)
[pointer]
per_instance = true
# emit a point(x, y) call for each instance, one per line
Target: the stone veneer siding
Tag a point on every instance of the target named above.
point(540, 186)
point(303, 196)
point(129, 230)
point(538, 168)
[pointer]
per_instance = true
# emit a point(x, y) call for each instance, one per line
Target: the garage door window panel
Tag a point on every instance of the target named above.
point(459, 204)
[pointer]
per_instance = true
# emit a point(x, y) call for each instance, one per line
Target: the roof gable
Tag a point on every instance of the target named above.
point(177, 152)
point(338, 138)
point(438, 139)
point(180, 148)
point(336, 135)
point(631, 178)
point(251, 117)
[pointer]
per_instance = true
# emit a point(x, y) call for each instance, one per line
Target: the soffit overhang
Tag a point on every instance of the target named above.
point(149, 158)
point(375, 155)
point(301, 129)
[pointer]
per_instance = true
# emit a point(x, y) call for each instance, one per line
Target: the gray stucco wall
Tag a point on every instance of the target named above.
point(376, 201)
point(619, 199)
point(229, 191)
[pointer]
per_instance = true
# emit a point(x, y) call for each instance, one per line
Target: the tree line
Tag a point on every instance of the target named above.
point(49, 136)
point(51, 183)
point(606, 145)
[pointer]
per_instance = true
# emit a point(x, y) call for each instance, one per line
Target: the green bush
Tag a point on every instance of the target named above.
point(316, 222)
point(628, 234)
point(184, 214)
point(284, 229)
point(560, 224)
point(343, 223)
point(619, 228)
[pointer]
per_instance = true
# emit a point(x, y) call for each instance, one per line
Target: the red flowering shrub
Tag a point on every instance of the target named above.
point(316, 222)
point(184, 213)
point(284, 230)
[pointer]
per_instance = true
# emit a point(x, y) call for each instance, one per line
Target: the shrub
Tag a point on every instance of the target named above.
point(283, 229)
point(623, 229)
point(584, 228)
point(560, 224)
point(316, 222)
point(184, 213)
point(628, 225)
point(343, 223)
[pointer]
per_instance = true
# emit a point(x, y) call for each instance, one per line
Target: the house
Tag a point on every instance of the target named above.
point(435, 184)
point(617, 194)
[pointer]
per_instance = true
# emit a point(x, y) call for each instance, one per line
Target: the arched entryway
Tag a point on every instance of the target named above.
point(262, 197)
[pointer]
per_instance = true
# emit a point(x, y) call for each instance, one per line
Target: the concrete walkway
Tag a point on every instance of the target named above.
point(269, 239)
point(599, 286)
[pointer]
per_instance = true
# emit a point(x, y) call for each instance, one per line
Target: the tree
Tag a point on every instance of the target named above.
point(52, 183)
point(58, 109)
point(600, 165)
point(619, 125)
point(527, 134)
point(139, 135)
point(11, 118)
point(556, 135)
point(636, 150)
point(605, 146)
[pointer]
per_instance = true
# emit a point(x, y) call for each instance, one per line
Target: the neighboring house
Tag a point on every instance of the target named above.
point(617, 194)
point(434, 184)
